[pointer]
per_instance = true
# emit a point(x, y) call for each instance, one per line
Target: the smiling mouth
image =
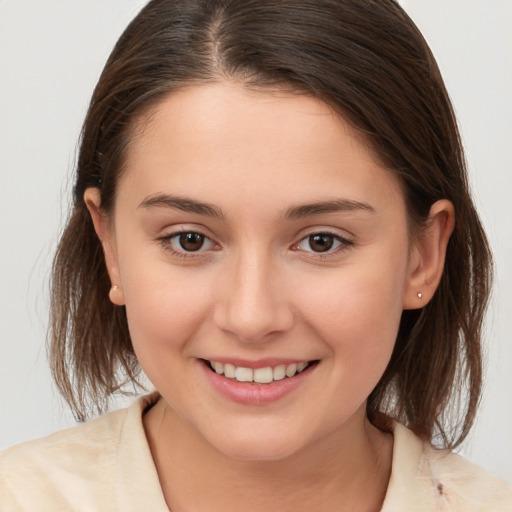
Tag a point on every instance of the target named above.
point(264, 375)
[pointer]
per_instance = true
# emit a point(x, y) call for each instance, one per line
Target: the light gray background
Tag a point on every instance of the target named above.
point(51, 54)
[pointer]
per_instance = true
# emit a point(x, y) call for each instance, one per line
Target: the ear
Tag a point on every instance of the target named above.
point(428, 255)
point(105, 232)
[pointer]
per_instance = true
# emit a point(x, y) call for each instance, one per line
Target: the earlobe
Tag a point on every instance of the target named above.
point(92, 199)
point(116, 295)
point(428, 255)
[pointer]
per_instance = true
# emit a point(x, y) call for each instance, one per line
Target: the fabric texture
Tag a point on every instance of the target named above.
point(106, 465)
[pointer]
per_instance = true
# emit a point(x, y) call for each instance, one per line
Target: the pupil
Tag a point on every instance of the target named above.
point(321, 243)
point(191, 241)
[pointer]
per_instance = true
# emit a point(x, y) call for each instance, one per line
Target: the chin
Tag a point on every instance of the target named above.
point(257, 445)
point(258, 451)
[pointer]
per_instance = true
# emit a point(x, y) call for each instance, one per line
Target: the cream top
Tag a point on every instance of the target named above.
point(106, 465)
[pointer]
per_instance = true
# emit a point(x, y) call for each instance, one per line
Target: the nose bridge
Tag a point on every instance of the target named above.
point(253, 303)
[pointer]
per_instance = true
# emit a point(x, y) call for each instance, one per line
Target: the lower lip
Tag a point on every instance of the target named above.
point(251, 393)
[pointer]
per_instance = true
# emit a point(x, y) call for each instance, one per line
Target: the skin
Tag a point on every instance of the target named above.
point(257, 289)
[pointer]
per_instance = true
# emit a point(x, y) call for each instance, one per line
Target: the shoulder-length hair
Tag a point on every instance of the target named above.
point(369, 62)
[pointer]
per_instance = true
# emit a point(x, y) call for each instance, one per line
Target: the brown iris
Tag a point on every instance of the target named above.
point(321, 242)
point(191, 241)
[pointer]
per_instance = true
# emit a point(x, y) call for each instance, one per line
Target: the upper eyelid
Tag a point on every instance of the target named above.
point(299, 237)
point(339, 233)
point(344, 244)
point(336, 236)
point(170, 232)
point(166, 240)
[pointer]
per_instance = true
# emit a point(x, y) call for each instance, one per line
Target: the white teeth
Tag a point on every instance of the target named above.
point(301, 367)
point(229, 371)
point(291, 369)
point(279, 372)
point(243, 374)
point(264, 375)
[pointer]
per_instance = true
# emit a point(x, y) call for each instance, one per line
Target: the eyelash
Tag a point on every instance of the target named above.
point(343, 244)
point(167, 243)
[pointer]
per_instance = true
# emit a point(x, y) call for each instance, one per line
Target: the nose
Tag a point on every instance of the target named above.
point(253, 302)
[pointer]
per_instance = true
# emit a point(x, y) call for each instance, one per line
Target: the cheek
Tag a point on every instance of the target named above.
point(357, 313)
point(164, 306)
point(360, 297)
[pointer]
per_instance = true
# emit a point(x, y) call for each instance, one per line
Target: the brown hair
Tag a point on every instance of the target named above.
point(368, 61)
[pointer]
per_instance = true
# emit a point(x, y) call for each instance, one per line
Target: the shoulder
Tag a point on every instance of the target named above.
point(65, 447)
point(71, 467)
point(440, 480)
point(464, 485)
point(46, 470)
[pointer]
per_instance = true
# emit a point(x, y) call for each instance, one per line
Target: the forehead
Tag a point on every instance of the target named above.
point(214, 109)
point(216, 137)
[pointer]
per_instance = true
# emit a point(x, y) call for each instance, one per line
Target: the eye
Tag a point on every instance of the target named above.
point(190, 241)
point(322, 243)
point(187, 242)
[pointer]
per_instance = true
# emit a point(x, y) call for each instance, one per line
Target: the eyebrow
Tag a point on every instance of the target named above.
point(331, 206)
point(182, 203)
point(297, 212)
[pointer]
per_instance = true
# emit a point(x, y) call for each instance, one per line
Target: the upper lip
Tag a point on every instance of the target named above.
point(260, 363)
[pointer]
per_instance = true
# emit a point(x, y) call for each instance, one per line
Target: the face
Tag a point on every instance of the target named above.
point(253, 233)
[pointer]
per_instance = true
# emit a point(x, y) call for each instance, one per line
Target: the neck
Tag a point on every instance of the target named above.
point(348, 470)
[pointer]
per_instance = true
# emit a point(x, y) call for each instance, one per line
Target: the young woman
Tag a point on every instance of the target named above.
point(271, 219)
